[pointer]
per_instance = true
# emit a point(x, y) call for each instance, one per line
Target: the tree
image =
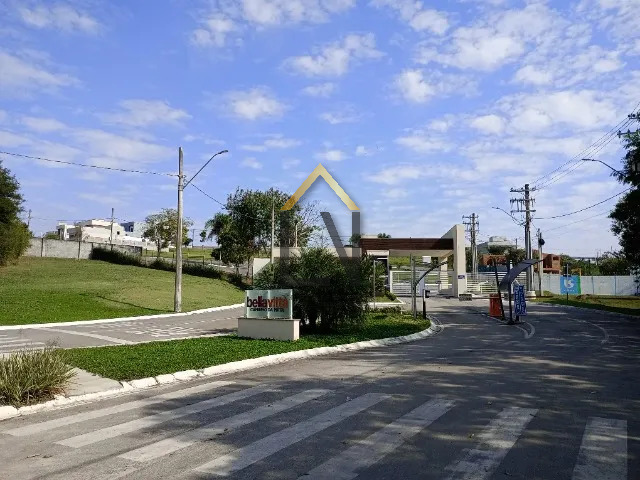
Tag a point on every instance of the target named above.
point(162, 228)
point(614, 263)
point(384, 235)
point(14, 234)
point(354, 239)
point(497, 249)
point(245, 230)
point(515, 255)
point(626, 213)
point(52, 236)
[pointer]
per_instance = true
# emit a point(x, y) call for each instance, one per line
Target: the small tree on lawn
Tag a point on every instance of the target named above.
point(162, 228)
point(14, 234)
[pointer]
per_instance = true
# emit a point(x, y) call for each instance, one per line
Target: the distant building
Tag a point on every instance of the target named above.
point(101, 231)
point(495, 241)
point(134, 229)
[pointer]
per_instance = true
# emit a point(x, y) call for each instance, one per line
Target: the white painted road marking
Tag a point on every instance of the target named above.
point(494, 443)
point(603, 452)
point(90, 335)
point(170, 445)
point(261, 449)
point(375, 447)
point(158, 418)
point(103, 412)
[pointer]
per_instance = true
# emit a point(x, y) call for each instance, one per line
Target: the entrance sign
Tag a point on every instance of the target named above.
point(268, 304)
point(519, 300)
point(570, 284)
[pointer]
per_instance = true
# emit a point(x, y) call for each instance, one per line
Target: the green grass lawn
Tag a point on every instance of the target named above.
point(150, 359)
point(628, 305)
point(196, 253)
point(38, 290)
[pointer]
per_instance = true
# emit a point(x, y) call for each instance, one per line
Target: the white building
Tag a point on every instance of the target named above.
point(495, 241)
point(100, 231)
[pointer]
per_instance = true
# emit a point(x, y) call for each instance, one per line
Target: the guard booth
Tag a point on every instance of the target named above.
point(451, 243)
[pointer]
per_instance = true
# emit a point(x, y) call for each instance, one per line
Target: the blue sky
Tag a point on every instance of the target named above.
point(423, 111)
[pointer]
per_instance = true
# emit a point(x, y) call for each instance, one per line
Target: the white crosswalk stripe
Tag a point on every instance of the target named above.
point(158, 418)
point(123, 407)
point(375, 447)
point(170, 445)
point(494, 442)
point(603, 452)
point(261, 449)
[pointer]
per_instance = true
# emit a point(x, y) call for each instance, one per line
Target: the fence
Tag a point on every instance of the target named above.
point(52, 248)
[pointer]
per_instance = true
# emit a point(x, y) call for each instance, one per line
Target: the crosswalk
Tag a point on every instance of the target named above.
point(270, 419)
point(10, 344)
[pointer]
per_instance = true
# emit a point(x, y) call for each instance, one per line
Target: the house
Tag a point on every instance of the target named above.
point(102, 231)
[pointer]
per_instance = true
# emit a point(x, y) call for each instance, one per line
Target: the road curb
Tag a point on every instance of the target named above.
point(120, 319)
point(216, 370)
point(625, 315)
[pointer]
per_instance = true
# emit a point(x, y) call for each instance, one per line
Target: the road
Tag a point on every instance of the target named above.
point(121, 332)
point(557, 399)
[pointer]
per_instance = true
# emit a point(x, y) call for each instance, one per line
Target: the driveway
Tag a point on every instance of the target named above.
point(558, 400)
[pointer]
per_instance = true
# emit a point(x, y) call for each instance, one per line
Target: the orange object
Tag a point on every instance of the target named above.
point(494, 306)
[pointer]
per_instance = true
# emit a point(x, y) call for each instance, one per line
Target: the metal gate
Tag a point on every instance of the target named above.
point(437, 282)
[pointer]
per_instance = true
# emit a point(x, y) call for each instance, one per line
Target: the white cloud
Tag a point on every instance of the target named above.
point(42, 124)
point(213, 32)
point(9, 140)
point(396, 193)
point(291, 162)
point(279, 12)
point(361, 151)
point(335, 59)
point(254, 104)
point(142, 113)
point(59, 17)
point(25, 75)
point(492, 124)
point(397, 174)
point(273, 142)
point(419, 19)
point(346, 115)
point(494, 41)
point(531, 75)
point(422, 142)
point(319, 90)
point(413, 87)
point(251, 163)
point(332, 155)
point(3, 116)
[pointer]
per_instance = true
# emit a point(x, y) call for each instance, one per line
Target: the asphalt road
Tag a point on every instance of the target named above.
point(557, 399)
point(121, 332)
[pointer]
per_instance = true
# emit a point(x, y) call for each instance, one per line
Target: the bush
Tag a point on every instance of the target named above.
point(30, 376)
point(14, 241)
point(329, 292)
point(123, 258)
point(391, 296)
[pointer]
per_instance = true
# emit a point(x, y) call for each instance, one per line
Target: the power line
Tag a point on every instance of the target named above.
point(87, 165)
point(585, 208)
point(578, 221)
point(515, 220)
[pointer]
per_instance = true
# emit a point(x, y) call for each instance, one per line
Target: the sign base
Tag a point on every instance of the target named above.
point(275, 329)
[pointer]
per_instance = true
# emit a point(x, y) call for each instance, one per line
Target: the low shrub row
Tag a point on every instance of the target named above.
point(195, 269)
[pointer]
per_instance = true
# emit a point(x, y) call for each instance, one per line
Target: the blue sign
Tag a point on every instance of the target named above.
point(519, 300)
point(570, 284)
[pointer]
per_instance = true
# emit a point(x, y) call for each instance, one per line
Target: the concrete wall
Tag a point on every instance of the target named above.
point(40, 247)
point(459, 259)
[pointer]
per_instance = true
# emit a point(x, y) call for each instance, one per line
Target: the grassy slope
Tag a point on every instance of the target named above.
point(55, 290)
point(150, 359)
point(627, 305)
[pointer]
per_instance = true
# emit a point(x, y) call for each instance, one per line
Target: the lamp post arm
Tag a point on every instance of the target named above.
point(203, 167)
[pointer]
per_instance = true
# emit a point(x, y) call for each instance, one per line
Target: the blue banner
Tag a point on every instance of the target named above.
point(570, 284)
point(519, 300)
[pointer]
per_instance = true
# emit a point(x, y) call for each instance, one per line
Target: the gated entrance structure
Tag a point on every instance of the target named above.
point(451, 243)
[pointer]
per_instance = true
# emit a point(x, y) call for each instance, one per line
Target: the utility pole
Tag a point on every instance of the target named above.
point(473, 228)
point(523, 205)
point(295, 238)
point(177, 300)
point(29, 220)
point(540, 263)
point(273, 227)
point(111, 233)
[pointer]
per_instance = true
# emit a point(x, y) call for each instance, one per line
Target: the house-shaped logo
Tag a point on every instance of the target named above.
point(320, 171)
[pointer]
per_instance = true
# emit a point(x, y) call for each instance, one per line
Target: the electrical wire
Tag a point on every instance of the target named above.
point(516, 221)
point(577, 221)
point(585, 208)
point(145, 172)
